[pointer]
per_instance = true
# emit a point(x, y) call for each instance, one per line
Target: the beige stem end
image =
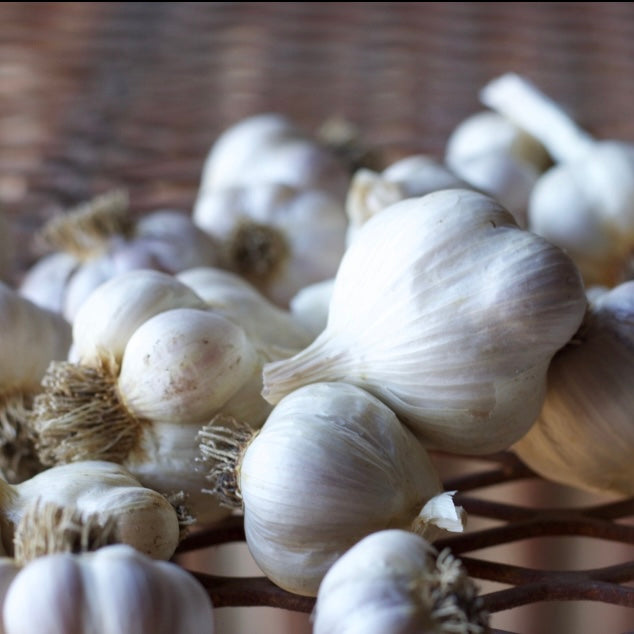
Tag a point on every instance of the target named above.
point(222, 444)
point(47, 528)
point(85, 230)
point(79, 415)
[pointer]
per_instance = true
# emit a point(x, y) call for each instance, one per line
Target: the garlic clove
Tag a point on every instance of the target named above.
point(449, 313)
point(584, 436)
point(395, 581)
point(330, 465)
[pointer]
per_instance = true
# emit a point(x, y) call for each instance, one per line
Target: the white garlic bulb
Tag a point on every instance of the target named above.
point(279, 237)
point(270, 148)
point(448, 312)
point(101, 493)
point(584, 203)
point(408, 177)
point(115, 590)
point(584, 436)
point(178, 369)
point(31, 338)
point(330, 465)
point(395, 581)
point(311, 304)
point(273, 330)
point(493, 154)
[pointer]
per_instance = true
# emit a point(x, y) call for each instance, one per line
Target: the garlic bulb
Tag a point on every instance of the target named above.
point(496, 156)
point(330, 465)
point(394, 581)
point(115, 590)
point(449, 313)
point(104, 495)
point(31, 338)
point(273, 330)
point(584, 203)
point(408, 177)
point(279, 237)
point(270, 148)
point(178, 369)
point(584, 436)
point(311, 304)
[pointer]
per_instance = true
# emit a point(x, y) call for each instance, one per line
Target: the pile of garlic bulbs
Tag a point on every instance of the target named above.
point(295, 348)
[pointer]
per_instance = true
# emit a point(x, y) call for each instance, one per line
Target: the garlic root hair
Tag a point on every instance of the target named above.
point(80, 416)
point(222, 444)
point(47, 528)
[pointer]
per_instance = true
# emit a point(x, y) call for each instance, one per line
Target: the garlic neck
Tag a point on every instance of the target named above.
point(521, 102)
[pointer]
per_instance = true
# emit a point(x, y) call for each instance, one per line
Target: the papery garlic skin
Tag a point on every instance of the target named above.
point(272, 329)
point(448, 312)
point(330, 465)
point(584, 436)
point(115, 309)
point(279, 237)
point(115, 590)
point(143, 518)
point(394, 581)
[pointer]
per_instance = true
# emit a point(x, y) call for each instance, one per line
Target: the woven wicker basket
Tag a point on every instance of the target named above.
point(102, 95)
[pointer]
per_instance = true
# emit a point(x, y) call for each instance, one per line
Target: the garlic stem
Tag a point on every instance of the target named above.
point(523, 103)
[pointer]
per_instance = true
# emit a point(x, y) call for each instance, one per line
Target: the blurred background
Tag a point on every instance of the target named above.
point(101, 95)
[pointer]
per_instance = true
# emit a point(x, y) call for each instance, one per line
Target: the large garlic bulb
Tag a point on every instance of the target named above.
point(585, 202)
point(279, 237)
point(449, 313)
point(394, 581)
point(71, 505)
point(584, 436)
point(31, 337)
point(330, 465)
point(270, 148)
point(493, 154)
point(115, 590)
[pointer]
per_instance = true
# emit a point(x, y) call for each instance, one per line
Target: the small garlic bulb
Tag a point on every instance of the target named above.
point(448, 312)
point(115, 590)
point(584, 436)
point(330, 465)
point(408, 177)
point(394, 581)
point(496, 156)
point(584, 203)
point(104, 495)
point(31, 338)
point(278, 237)
point(273, 330)
point(311, 304)
point(270, 148)
point(178, 369)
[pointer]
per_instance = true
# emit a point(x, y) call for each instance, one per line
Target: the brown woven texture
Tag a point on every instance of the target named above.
point(101, 95)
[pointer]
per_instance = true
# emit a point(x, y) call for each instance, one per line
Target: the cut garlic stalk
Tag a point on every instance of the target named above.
point(585, 203)
point(330, 465)
point(448, 312)
point(584, 436)
point(114, 505)
point(395, 581)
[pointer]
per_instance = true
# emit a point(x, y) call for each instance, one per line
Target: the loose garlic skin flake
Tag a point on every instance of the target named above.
point(115, 590)
point(584, 436)
point(330, 465)
point(450, 314)
point(394, 581)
